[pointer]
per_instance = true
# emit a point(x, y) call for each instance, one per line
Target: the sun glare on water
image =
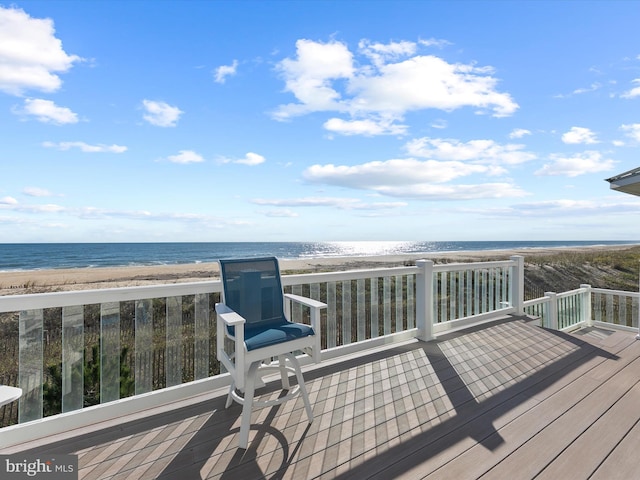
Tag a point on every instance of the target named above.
point(370, 248)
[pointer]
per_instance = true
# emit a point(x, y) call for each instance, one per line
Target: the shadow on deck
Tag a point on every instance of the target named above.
point(504, 400)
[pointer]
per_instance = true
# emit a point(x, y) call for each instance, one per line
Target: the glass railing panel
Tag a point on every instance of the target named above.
point(109, 352)
point(386, 305)
point(173, 353)
point(411, 303)
point(202, 336)
point(375, 320)
point(144, 346)
point(72, 358)
point(361, 309)
point(30, 374)
point(346, 312)
point(332, 323)
point(399, 299)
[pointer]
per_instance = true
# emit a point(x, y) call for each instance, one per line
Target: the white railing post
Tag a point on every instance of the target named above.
point(586, 304)
point(517, 284)
point(553, 309)
point(424, 300)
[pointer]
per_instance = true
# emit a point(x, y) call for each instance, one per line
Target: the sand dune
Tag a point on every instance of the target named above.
point(90, 278)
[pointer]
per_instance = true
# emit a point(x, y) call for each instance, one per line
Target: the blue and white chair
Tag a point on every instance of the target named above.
point(252, 315)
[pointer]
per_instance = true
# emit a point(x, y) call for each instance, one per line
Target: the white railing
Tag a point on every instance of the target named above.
point(82, 350)
point(616, 308)
point(562, 311)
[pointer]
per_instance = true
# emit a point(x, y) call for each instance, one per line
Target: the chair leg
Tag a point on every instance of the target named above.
point(247, 405)
point(303, 390)
point(229, 397)
point(284, 376)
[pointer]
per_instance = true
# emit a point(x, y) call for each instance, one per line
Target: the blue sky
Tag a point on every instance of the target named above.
point(315, 120)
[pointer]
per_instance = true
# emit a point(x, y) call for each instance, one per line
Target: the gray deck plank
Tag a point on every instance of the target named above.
point(488, 399)
point(598, 441)
point(540, 449)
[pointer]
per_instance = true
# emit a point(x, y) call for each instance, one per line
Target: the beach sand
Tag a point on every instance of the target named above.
point(34, 281)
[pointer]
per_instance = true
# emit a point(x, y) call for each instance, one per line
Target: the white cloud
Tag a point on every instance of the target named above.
point(455, 192)
point(380, 53)
point(224, 71)
point(592, 88)
point(376, 175)
point(161, 114)
point(85, 147)
point(186, 156)
point(634, 92)
point(571, 208)
point(37, 192)
point(280, 213)
point(519, 133)
point(578, 164)
point(8, 201)
point(394, 81)
point(434, 42)
point(251, 159)
point(47, 111)
point(368, 127)
point(579, 135)
point(309, 77)
point(475, 151)
point(338, 202)
point(632, 131)
point(30, 54)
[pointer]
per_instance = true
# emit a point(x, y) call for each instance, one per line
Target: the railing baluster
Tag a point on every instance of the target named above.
point(144, 346)
point(609, 313)
point(30, 375)
point(375, 321)
point(72, 358)
point(173, 353)
point(109, 351)
point(296, 308)
point(332, 331)
point(411, 303)
point(386, 302)
point(361, 309)
point(460, 304)
point(202, 331)
point(346, 312)
point(452, 295)
point(443, 297)
point(468, 276)
point(398, 284)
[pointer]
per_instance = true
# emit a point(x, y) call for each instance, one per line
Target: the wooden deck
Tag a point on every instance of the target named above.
point(506, 400)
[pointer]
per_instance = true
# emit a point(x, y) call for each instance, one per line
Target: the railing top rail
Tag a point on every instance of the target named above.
point(615, 292)
point(443, 267)
point(14, 303)
point(346, 275)
point(571, 292)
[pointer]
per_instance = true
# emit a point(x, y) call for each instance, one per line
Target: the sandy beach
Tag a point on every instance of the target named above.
point(12, 283)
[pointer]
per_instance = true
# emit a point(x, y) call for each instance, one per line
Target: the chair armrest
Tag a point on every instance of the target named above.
point(228, 316)
point(309, 302)
point(315, 307)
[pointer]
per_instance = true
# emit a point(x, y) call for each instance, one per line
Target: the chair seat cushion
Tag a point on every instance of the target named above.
point(264, 336)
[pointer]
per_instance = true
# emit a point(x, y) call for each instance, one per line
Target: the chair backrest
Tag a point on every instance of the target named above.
point(252, 288)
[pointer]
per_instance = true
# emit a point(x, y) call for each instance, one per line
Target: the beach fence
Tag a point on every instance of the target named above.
point(96, 348)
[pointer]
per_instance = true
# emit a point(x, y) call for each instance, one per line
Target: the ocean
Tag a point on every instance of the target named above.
point(37, 256)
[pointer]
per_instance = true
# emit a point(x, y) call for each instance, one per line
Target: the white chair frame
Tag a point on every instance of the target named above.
point(246, 367)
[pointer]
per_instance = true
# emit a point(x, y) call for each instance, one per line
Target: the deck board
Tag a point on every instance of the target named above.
point(505, 400)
